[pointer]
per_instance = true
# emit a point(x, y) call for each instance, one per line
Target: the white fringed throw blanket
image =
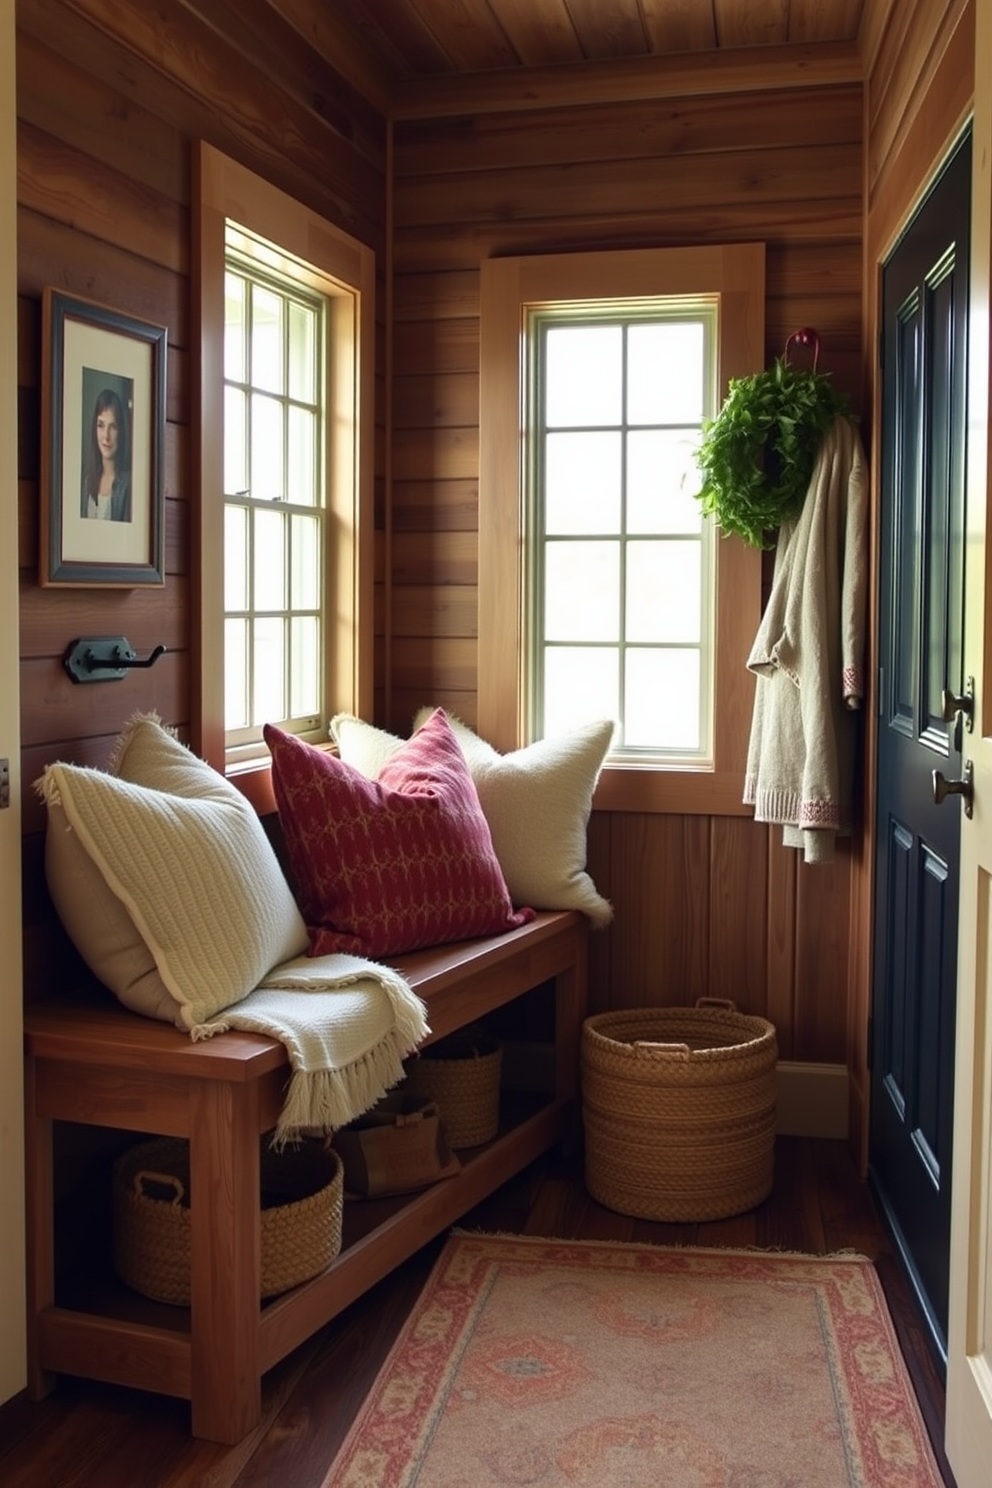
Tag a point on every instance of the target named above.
point(346, 1024)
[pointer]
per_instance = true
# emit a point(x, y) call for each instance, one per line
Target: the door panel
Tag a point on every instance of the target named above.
point(921, 623)
point(969, 1362)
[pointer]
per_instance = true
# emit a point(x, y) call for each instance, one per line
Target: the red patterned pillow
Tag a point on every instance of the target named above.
point(383, 866)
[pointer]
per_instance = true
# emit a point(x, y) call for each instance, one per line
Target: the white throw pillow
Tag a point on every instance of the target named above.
point(164, 878)
point(537, 801)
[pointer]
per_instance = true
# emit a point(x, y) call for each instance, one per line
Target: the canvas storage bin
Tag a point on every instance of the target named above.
point(678, 1110)
point(462, 1074)
point(302, 1199)
point(396, 1147)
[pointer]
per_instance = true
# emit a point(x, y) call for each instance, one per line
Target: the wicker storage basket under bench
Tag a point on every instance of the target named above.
point(302, 1199)
point(678, 1108)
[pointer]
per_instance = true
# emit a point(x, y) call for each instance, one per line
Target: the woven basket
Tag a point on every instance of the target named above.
point(678, 1108)
point(302, 1199)
point(462, 1075)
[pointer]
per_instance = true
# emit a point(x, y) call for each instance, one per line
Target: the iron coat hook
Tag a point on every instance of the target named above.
point(105, 659)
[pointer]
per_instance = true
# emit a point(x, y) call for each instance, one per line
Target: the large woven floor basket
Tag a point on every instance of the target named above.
point(678, 1109)
point(302, 1204)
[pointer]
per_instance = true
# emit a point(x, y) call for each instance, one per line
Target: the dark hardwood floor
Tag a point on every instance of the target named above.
point(95, 1436)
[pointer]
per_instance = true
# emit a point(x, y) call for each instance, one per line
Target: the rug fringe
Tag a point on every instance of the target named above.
point(458, 1231)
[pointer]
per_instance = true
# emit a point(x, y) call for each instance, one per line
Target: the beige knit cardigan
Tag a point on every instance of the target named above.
point(808, 656)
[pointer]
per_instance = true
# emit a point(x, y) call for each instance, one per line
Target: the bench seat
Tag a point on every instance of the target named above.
point(91, 1061)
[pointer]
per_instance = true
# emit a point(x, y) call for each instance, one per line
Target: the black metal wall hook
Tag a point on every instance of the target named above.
point(105, 659)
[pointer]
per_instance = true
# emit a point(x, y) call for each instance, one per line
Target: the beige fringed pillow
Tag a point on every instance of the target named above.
point(164, 878)
point(536, 800)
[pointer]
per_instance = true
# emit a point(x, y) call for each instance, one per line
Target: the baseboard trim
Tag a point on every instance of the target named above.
point(811, 1100)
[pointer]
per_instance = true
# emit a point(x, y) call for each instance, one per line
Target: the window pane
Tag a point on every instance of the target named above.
point(266, 340)
point(275, 433)
point(270, 561)
point(266, 449)
point(235, 674)
point(582, 591)
point(582, 483)
point(302, 434)
point(627, 473)
point(302, 352)
point(235, 293)
point(235, 558)
point(665, 364)
point(580, 683)
point(305, 575)
point(584, 376)
point(304, 682)
point(235, 450)
point(663, 591)
point(269, 672)
point(662, 481)
point(661, 700)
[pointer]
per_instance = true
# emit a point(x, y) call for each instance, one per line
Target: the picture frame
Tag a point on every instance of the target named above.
point(103, 447)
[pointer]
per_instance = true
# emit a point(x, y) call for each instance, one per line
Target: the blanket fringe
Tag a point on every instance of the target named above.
point(327, 1099)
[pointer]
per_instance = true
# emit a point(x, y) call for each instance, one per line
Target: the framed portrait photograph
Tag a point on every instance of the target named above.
point(102, 439)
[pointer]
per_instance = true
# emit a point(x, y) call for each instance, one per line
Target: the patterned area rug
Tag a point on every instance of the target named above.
point(559, 1364)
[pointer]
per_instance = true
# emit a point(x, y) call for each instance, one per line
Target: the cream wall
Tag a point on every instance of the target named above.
point(12, 1328)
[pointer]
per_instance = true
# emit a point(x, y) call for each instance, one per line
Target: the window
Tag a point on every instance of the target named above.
point(620, 601)
point(285, 433)
point(678, 684)
point(274, 510)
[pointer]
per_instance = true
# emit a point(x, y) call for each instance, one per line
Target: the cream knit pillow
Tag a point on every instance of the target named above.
point(537, 801)
point(163, 876)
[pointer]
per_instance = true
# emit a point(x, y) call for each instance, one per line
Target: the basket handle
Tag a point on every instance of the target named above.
point(717, 1002)
point(167, 1180)
point(678, 1051)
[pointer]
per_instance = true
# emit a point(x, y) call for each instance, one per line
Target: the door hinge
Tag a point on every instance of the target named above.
point(870, 1050)
point(4, 783)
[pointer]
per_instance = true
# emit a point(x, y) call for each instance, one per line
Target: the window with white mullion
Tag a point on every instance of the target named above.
point(620, 603)
point(274, 503)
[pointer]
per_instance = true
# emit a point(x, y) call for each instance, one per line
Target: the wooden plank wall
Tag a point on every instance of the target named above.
point(110, 101)
point(705, 905)
point(919, 67)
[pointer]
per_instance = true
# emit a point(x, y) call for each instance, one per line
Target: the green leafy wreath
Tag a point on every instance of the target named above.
point(757, 455)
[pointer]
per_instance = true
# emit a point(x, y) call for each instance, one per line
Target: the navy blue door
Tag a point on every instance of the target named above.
point(922, 728)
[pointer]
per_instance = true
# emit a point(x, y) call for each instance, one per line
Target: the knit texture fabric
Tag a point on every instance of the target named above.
point(346, 1025)
point(808, 657)
point(185, 854)
point(389, 865)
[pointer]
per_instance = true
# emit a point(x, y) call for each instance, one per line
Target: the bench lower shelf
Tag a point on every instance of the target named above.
point(119, 1344)
point(97, 1065)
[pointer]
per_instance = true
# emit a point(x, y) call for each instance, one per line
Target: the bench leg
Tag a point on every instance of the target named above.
point(225, 1226)
point(40, 1258)
point(570, 1010)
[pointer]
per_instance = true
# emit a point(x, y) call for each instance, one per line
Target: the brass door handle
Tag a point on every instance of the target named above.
point(942, 788)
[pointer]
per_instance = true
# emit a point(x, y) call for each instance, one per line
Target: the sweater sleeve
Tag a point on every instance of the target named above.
point(854, 592)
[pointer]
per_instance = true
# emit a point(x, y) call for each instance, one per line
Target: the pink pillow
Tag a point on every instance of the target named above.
point(383, 866)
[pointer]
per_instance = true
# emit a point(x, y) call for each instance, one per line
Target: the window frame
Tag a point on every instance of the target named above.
point(509, 289)
point(223, 190)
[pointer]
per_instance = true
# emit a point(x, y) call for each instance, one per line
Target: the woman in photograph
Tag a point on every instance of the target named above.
point(106, 492)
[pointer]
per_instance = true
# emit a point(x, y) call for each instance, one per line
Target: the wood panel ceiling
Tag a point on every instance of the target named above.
point(420, 39)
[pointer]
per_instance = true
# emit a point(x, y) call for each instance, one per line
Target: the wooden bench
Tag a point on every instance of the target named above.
point(93, 1062)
